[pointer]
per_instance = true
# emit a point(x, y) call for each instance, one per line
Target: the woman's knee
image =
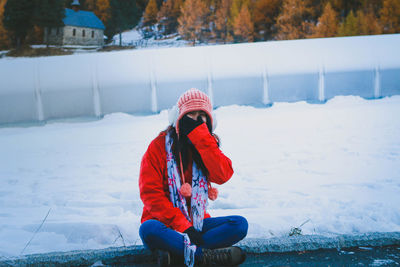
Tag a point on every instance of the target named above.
point(241, 225)
point(150, 229)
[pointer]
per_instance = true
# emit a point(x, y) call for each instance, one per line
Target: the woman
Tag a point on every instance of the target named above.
point(175, 181)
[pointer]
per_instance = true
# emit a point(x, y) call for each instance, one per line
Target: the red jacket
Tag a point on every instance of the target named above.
point(153, 180)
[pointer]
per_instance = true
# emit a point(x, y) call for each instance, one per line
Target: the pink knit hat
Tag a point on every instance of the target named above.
point(193, 100)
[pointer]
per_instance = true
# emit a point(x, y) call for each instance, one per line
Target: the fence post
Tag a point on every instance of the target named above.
point(153, 90)
point(38, 93)
point(266, 99)
point(321, 84)
point(96, 93)
point(377, 83)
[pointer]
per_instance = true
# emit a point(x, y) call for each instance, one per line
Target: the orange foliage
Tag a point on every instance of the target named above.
point(327, 25)
point(243, 27)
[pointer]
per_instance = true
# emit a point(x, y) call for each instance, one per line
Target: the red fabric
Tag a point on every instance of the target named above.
point(153, 179)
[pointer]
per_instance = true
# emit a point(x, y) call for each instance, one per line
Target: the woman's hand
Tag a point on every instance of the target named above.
point(194, 236)
point(186, 124)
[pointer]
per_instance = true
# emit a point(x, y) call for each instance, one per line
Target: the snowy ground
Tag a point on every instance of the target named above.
point(134, 38)
point(337, 165)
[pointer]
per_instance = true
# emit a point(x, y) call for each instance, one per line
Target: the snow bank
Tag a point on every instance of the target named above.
point(144, 81)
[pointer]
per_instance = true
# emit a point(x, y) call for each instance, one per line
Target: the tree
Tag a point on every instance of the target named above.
point(150, 13)
point(90, 4)
point(4, 40)
point(350, 26)
point(265, 15)
point(168, 16)
point(367, 23)
point(343, 7)
point(193, 20)
point(390, 16)
point(293, 22)
point(48, 14)
point(124, 15)
point(222, 28)
point(243, 27)
point(102, 10)
point(18, 19)
point(327, 25)
point(361, 24)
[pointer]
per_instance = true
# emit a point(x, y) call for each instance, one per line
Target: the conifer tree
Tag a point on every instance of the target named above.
point(367, 23)
point(102, 10)
point(168, 16)
point(193, 20)
point(150, 13)
point(265, 14)
point(293, 22)
point(18, 19)
point(390, 16)
point(91, 4)
point(124, 15)
point(48, 14)
point(350, 26)
point(243, 27)
point(327, 25)
point(234, 11)
point(343, 7)
point(222, 27)
point(4, 40)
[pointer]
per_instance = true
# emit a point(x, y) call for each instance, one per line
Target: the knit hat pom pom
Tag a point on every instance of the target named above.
point(212, 193)
point(186, 190)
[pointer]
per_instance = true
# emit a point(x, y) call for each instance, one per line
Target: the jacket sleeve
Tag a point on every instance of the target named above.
point(152, 191)
point(218, 165)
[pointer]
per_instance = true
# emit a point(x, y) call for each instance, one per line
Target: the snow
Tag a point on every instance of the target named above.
point(134, 38)
point(336, 164)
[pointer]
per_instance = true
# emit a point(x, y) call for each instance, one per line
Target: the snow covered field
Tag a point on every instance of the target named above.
point(336, 164)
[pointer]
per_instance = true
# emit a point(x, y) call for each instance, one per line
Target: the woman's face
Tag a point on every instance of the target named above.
point(196, 114)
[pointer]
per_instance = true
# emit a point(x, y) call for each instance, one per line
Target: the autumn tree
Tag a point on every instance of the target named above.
point(234, 10)
point(344, 7)
point(222, 28)
point(193, 20)
point(390, 16)
point(265, 14)
point(168, 16)
point(4, 40)
point(367, 23)
point(349, 26)
point(102, 10)
point(150, 13)
point(327, 25)
point(243, 27)
point(293, 22)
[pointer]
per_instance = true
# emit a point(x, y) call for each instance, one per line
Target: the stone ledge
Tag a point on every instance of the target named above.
point(138, 254)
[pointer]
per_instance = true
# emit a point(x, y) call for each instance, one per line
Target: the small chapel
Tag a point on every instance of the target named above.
point(81, 28)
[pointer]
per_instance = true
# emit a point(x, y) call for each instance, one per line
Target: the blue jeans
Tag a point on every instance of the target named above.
point(217, 232)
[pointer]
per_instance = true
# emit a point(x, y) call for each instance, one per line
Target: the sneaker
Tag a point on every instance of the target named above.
point(163, 258)
point(230, 256)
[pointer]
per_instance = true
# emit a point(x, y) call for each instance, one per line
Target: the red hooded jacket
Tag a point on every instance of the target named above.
point(153, 180)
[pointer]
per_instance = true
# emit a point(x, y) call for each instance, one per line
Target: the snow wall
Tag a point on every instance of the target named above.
point(147, 81)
